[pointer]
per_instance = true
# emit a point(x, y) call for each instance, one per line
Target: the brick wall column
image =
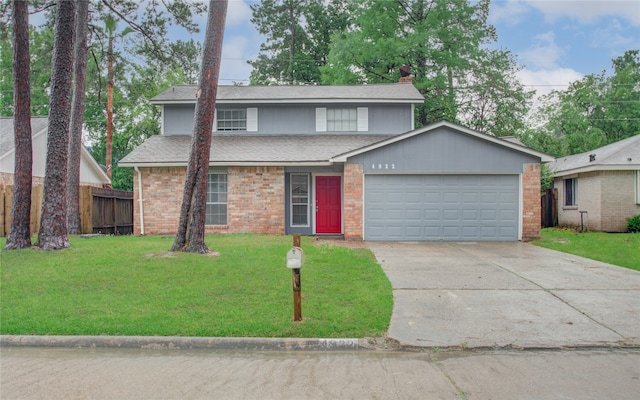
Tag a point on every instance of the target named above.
point(353, 201)
point(531, 206)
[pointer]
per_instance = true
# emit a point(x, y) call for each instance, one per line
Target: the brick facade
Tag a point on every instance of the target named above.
point(255, 200)
point(531, 205)
point(608, 198)
point(353, 201)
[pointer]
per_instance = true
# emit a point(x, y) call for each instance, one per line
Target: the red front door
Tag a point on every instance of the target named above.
point(328, 204)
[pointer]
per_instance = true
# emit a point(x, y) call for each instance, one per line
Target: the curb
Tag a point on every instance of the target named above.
point(183, 343)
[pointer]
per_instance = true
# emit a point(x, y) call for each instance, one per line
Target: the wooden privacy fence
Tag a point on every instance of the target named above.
point(105, 211)
point(549, 202)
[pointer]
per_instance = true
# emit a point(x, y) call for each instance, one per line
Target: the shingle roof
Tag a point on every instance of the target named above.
point(624, 154)
point(393, 92)
point(238, 149)
point(7, 143)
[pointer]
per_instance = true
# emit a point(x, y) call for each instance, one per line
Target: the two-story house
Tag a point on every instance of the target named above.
point(337, 160)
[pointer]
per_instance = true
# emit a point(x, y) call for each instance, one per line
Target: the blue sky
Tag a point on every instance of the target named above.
point(558, 41)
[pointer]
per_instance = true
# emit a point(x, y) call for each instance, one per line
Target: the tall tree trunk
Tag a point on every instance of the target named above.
point(19, 232)
point(53, 222)
point(194, 199)
point(74, 226)
point(110, 74)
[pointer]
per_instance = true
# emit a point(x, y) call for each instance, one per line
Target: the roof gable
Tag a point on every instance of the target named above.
point(7, 144)
point(458, 128)
point(379, 93)
point(39, 127)
point(621, 155)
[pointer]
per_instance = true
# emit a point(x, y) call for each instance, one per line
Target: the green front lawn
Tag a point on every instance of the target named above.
point(130, 285)
point(621, 249)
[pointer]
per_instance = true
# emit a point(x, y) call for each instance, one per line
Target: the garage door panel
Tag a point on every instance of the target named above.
point(441, 207)
point(469, 215)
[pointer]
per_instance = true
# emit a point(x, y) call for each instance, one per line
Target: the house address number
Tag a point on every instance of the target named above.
point(383, 166)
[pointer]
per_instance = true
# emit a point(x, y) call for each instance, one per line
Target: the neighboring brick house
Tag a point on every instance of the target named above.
point(599, 189)
point(91, 174)
point(337, 160)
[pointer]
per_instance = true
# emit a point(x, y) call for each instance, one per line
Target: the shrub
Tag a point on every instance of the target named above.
point(633, 223)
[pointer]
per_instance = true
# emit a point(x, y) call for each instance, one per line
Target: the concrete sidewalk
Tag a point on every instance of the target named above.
point(507, 295)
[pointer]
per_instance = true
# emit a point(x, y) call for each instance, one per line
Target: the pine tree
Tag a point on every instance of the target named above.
point(191, 228)
point(19, 232)
point(77, 117)
point(53, 223)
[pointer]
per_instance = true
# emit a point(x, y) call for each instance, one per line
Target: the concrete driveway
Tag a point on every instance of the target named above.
point(507, 294)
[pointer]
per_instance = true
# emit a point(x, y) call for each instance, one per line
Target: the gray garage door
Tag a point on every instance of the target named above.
point(441, 207)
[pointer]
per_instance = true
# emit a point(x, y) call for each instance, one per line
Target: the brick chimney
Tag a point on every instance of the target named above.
point(405, 74)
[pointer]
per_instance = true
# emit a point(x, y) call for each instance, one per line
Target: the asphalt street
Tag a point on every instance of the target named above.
point(63, 373)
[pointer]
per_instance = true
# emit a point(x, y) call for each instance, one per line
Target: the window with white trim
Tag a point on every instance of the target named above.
point(299, 199)
point(571, 192)
point(217, 199)
point(342, 119)
point(231, 120)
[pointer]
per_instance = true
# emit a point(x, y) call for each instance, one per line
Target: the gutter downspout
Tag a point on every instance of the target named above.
point(140, 200)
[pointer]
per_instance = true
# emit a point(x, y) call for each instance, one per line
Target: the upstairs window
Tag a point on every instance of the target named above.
point(571, 192)
point(342, 119)
point(232, 120)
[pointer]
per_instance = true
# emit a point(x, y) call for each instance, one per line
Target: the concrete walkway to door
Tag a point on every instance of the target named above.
point(507, 295)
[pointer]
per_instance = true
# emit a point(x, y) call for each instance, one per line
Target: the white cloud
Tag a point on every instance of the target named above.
point(588, 11)
point(509, 12)
point(238, 13)
point(613, 37)
point(543, 81)
point(234, 66)
point(545, 53)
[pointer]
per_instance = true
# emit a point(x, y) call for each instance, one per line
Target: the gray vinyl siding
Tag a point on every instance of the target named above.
point(178, 119)
point(443, 151)
point(282, 119)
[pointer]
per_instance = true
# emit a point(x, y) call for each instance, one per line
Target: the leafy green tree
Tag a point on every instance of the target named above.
point(594, 111)
point(446, 44)
point(134, 117)
point(41, 48)
point(297, 34)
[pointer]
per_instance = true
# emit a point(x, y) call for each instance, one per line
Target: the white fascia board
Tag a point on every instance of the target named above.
point(294, 101)
point(234, 164)
point(271, 164)
point(543, 157)
point(594, 168)
point(152, 164)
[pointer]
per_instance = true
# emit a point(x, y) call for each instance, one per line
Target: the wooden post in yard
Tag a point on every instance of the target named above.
point(297, 286)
